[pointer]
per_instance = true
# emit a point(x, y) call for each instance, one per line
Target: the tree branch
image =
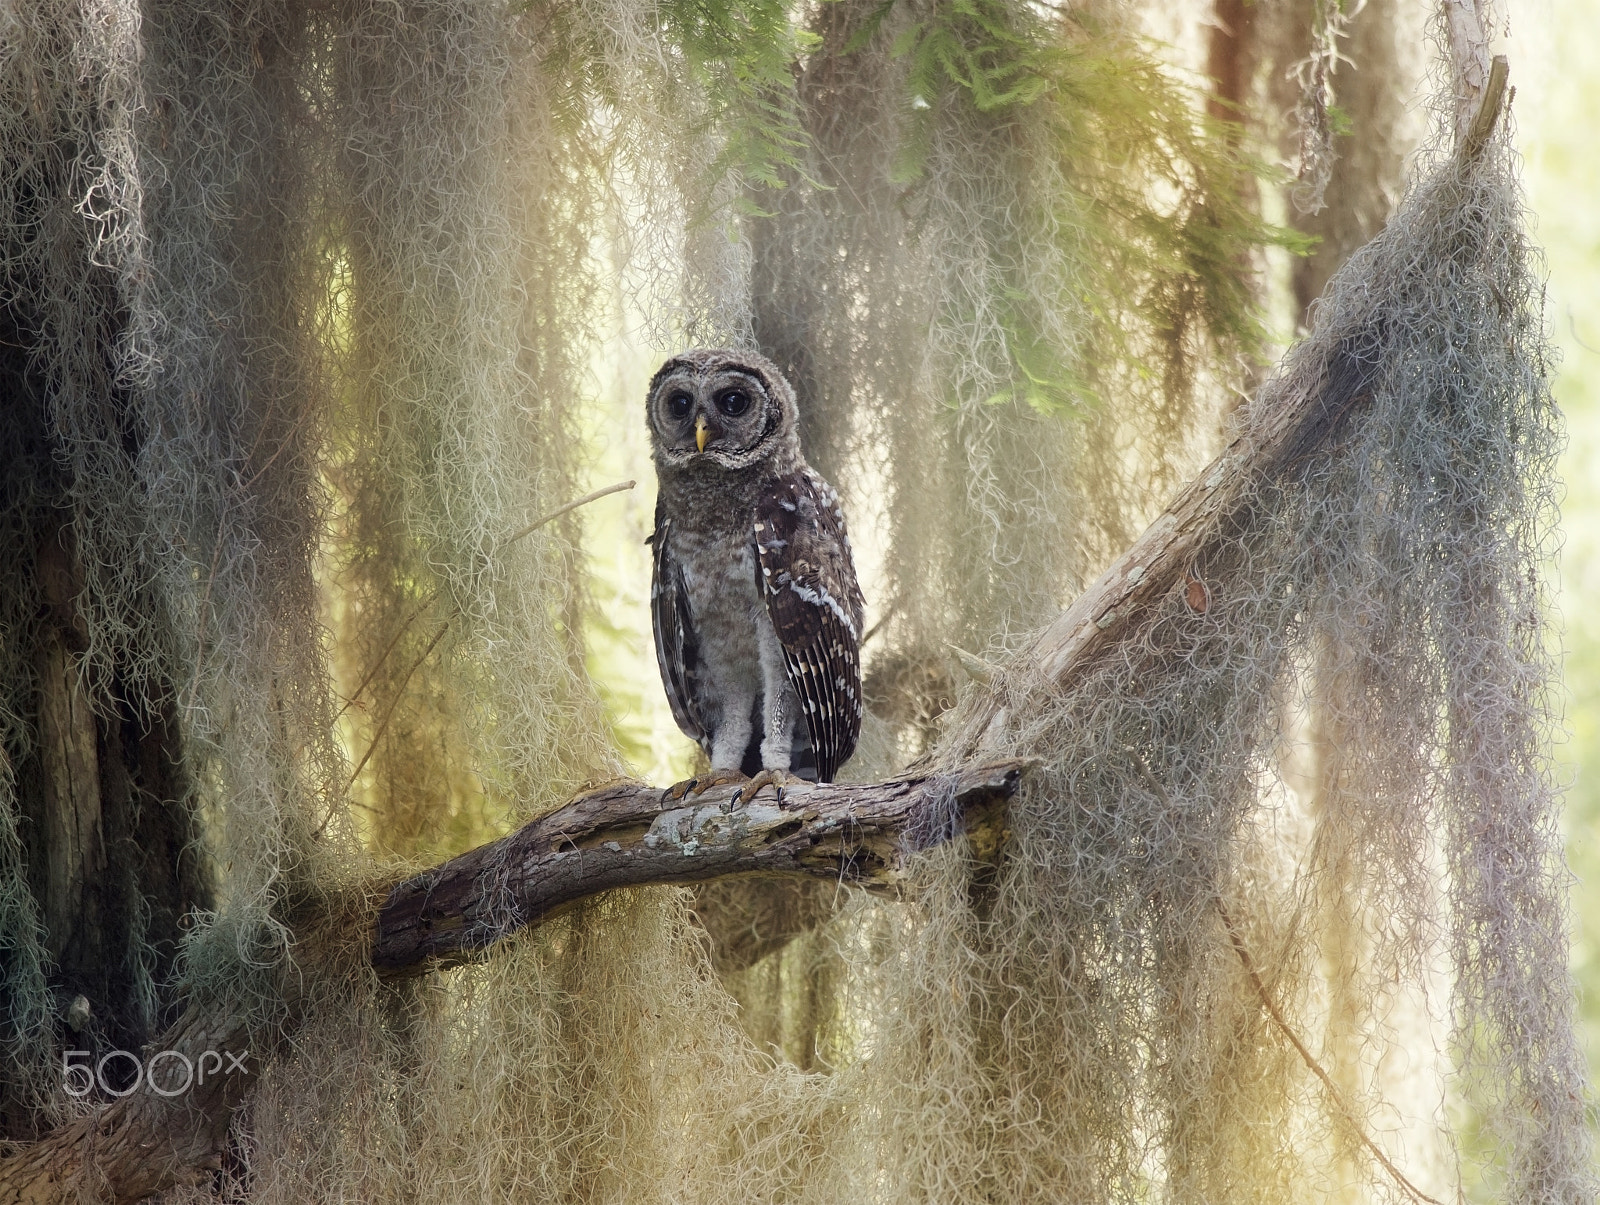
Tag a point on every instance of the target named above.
point(1169, 556)
point(1306, 414)
point(147, 1141)
point(1469, 58)
point(622, 835)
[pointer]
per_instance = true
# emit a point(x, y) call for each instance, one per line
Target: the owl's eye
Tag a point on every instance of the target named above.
point(733, 403)
point(678, 405)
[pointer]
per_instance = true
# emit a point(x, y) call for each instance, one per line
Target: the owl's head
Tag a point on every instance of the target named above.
point(720, 408)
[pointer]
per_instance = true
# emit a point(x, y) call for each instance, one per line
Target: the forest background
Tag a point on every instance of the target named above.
point(627, 1036)
point(1563, 180)
point(1555, 52)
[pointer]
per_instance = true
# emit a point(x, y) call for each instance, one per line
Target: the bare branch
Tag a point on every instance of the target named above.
point(625, 835)
point(1469, 58)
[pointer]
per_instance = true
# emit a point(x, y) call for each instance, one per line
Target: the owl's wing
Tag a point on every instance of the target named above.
point(809, 583)
point(677, 646)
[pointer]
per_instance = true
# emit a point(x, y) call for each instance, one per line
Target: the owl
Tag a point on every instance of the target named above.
point(753, 597)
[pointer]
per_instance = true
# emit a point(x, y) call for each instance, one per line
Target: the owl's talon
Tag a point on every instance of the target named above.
point(778, 780)
point(716, 778)
point(678, 790)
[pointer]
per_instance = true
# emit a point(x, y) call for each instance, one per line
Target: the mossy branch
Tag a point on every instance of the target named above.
point(1170, 554)
point(625, 834)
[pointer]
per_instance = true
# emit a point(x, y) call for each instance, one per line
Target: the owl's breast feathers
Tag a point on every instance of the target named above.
point(808, 581)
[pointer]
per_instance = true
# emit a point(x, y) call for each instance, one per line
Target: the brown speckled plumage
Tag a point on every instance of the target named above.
point(756, 609)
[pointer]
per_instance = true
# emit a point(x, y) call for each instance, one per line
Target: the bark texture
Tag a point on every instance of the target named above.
point(625, 835)
point(147, 1141)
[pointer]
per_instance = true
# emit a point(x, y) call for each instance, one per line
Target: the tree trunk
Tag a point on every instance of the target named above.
point(146, 1141)
point(106, 833)
point(112, 850)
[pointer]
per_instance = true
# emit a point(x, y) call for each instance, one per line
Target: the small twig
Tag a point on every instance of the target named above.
point(1483, 123)
point(384, 656)
point(888, 614)
point(979, 670)
point(1310, 1060)
point(388, 714)
point(1284, 1028)
point(573, 505)
point(294, 430)
point(431, 598)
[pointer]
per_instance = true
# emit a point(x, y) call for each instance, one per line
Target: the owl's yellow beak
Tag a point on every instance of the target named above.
point(702, 431)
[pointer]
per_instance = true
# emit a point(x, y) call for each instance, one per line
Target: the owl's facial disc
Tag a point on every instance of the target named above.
point(675, 416)
point(723, 415)
point(719, 409)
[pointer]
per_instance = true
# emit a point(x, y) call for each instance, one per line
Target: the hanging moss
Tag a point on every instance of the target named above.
point(366, 260)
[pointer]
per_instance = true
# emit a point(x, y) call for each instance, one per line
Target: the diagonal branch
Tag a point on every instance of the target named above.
point(1304, 413)
point(1170, 554)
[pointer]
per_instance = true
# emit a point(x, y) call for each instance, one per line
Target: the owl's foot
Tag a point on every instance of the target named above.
point(776, 779)
point(700, 784)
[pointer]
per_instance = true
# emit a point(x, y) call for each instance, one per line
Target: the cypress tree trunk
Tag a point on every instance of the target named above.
point(106, 831)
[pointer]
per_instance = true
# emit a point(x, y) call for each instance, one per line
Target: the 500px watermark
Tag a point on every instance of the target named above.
point(79, 1079)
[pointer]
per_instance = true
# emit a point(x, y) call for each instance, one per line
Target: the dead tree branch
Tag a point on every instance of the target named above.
point(623, 835)
point(1305, 416)
point(1169, 556)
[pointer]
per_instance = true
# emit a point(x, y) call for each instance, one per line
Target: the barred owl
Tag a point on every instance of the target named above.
point(754, 601)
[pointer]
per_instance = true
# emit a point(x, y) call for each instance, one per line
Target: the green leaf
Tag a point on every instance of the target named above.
point(741, 55)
